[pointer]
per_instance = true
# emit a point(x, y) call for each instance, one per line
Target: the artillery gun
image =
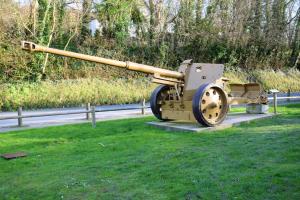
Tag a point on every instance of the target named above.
point(196, 92)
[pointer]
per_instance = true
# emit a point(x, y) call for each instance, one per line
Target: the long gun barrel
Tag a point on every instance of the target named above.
point(32, 47)
point(194, 93)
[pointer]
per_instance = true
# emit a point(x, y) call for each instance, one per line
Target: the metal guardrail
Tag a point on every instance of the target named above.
point(275, 99)
point(91, 111)
point(294, 97)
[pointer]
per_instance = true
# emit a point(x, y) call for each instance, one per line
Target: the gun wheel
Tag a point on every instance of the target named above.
point(158, 96)
point(210, 105)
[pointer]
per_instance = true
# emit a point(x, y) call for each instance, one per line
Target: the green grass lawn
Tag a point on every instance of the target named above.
point(127, 159)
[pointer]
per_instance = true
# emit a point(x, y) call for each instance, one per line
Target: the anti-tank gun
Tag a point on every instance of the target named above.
point(196, 92)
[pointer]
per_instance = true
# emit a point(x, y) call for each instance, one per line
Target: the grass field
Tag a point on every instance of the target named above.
point(126, 159)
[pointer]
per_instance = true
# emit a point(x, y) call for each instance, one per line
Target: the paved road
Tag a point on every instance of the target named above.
point(7, 125)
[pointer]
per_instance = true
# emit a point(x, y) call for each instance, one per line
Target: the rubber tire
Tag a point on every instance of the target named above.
point(153, 101)
point(197, 108)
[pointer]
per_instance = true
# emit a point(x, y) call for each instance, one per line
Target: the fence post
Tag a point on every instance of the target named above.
point(143, 106)
point(274, 92)
point(288, 95)
point(93, 117)
point(88, 108)
point(275, 102)
point(20, 120)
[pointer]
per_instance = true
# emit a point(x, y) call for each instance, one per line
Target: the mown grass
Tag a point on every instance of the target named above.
point(66, 93)
point(127, 159)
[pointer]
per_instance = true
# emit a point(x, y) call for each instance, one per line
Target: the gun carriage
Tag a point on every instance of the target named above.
point(196, 92)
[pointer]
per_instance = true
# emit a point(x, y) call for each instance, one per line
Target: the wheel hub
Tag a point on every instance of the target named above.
point(210, 105)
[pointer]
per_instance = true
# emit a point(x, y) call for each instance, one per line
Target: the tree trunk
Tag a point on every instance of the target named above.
point(86, 18)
